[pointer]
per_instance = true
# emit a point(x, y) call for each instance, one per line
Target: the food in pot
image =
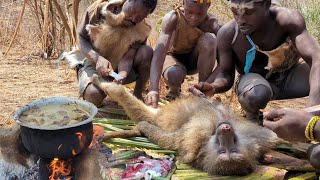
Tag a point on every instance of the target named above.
point(54, 116)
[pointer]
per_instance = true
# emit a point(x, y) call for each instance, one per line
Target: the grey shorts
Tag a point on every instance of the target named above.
point(295, 83)
point(87, 71)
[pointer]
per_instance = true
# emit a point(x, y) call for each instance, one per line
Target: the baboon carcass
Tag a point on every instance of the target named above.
point(204, 133)
point(111, 39)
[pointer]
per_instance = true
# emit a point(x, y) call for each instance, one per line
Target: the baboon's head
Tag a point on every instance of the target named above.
point(131, 12)
point(227, 154)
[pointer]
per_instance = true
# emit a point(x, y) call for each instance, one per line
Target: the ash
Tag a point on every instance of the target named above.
point(9, 171)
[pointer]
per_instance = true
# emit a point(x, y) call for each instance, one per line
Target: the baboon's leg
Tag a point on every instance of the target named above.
point(122, 134)
point(135, 108)
point(162, 138)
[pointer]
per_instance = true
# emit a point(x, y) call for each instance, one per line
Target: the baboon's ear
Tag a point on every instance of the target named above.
point(115, 7)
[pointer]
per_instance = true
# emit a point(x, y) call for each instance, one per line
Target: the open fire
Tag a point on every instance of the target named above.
point(60, 169)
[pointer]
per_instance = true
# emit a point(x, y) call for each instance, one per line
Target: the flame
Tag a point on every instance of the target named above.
point(59, 168)
point(74, 152)
point(81, 139)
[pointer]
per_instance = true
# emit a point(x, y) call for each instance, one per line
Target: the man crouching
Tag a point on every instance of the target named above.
point(112, 37)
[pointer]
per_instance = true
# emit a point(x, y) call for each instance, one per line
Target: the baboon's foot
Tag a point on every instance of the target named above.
point(112, 89)
point(122, 134)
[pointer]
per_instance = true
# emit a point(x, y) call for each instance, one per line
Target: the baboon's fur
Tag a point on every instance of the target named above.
point(111, 39)
point(189, 126)
point(281, 58)
point(14, 158)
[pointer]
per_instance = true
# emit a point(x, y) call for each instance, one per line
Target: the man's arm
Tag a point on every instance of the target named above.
point(168, 26)
point(84, 40)
point(222, 77)
point(308, 48)
point(91, 16)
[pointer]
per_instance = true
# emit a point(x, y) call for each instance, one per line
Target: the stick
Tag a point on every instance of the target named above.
point(313, 108)
point(17, 27)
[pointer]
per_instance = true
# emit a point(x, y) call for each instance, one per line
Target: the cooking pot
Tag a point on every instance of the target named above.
point(61, 142)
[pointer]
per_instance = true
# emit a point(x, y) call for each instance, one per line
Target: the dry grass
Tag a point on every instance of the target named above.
point(310, 9)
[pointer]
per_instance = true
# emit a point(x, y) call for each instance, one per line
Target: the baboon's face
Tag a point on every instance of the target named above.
point(229, 156)
point(134, 12)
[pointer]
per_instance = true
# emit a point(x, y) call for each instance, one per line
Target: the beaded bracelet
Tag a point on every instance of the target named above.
point(310, 127)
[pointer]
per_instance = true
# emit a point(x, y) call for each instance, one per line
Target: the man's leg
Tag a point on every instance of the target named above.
point(173, 73)
point(204, 55)
point(87, 90)
point(254, 93)
point(297, 83)
point(141, 65)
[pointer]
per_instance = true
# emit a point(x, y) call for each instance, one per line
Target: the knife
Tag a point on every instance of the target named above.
point(116, 76)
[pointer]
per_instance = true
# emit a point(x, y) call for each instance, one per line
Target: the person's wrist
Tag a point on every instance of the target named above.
point(312, 126)
point(317, 131)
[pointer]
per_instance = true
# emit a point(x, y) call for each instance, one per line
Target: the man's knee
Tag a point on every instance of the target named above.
point(314, 155)
point(175, 75)
point(207, 42)
point(256, 98)
point(144, 55)
point(94, 95)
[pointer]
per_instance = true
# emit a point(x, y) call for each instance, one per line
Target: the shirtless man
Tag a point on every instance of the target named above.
point(135, 11)
point(186, 45)
point(268, 28)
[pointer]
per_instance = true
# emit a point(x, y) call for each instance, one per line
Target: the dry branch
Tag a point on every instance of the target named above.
point(17, 27)
point(64, 20)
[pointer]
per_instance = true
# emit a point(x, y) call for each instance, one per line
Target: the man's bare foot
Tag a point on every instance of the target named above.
point(172, 95)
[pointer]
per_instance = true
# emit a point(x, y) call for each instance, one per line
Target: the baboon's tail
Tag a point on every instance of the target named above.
point(135, 109)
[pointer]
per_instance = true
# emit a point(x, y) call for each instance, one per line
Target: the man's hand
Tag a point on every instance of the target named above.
point(205, 88)
point(288, 124)
point(152, 99)
point(103, 67)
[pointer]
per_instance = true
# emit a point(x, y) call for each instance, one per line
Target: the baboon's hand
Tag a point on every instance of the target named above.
point(152, 99)
point(103, 66)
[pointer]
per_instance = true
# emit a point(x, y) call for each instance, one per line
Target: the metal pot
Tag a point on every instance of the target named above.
point(62, 142)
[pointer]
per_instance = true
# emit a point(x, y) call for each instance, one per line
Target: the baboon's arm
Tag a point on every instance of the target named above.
point(162, 138)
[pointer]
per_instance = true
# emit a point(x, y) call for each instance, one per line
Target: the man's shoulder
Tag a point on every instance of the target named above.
point(227, 31)
point(287, 17)
point(171, 16)
point(169, 21)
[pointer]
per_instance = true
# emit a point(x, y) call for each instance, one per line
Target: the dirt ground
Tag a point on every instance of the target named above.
point(30, 78)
